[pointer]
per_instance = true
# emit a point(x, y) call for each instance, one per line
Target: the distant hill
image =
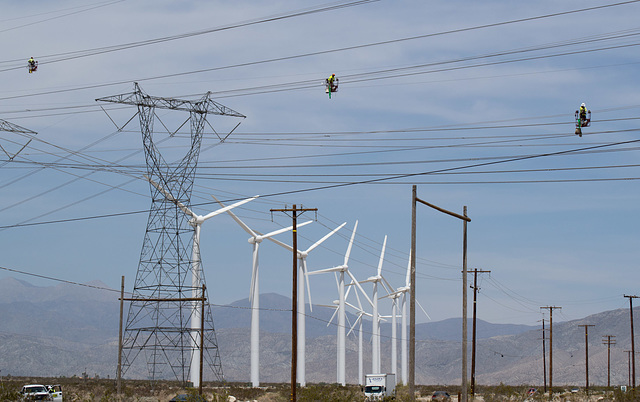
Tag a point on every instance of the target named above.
point(275, 317)
point(66, 329)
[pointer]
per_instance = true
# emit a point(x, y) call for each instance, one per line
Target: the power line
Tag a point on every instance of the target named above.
point(108, 49)
point(313, 83)
point(99, 5)
point(443, 170)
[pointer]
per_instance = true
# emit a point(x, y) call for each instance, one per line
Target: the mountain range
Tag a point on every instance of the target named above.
point(67, 330)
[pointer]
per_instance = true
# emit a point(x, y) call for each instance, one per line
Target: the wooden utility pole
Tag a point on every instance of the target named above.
point(551, 308)
point(628, 352)
point(586, 354)
point(606, 340)
point(295, 212)
point(119, 371)
point(544, 357)
point(473, 335)
point(633, 345)
point(465, 332)
point(204, 288)
point(412, 299)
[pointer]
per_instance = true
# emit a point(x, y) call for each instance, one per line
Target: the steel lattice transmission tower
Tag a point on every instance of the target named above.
point(159, 327)
point(14, 128)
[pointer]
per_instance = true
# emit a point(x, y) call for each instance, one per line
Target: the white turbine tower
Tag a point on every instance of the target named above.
point(394, 296)
point(340, 271)
point(360, 311)
point(196, 268)
point(254, 294)
point(302, 277)
point(375, 337)
point(404, 291)
point(403, 332)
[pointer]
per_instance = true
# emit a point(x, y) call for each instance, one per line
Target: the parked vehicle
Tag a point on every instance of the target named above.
point(187, 397)
point(379, 386)
point(35, 392)
point(441, 396)
point(56, 392)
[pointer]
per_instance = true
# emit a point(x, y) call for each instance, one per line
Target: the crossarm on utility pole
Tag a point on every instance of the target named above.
point(294, 293)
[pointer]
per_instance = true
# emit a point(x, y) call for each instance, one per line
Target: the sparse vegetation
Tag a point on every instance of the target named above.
point(78, 389)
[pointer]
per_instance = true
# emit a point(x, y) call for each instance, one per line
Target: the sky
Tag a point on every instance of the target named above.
point(473, 102)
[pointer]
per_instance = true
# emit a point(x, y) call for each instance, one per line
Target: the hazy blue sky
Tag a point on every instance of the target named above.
point(472, 101)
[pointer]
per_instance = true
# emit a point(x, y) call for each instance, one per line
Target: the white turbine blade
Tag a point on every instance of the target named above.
point(353, 235)
point(281, 244)
point(331, 319)
point(423, 310)
point(169, 197)
point(322, 271)
point(356, 292)
point(355, 281)
point(348, 287)
point(238, 221)
point(392, 294)
point(347, 318)
point(387, 286)
point(306, 278)
point(384, 245)
point(407, 281)
point(227, 208)
point(254, 269)
point(352, 306)
point(316, 244)
point(276, 232)
point(355, 323)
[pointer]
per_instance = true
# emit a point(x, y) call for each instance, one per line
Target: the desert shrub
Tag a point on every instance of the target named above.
point(502, 392)
point(630, 395)
point(329, 393)
point(8, 394)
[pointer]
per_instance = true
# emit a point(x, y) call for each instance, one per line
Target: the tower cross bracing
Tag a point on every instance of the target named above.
point(160, 328)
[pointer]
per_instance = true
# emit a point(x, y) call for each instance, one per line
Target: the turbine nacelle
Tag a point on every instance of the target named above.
point(373, 279)
point(196, 220)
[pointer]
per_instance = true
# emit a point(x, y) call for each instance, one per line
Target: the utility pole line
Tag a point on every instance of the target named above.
point(204, 289)
point(608, 341)
point(544, 356)
point(412, 299)
point(294, 291)
point(119, 370)
point(628, 352)
point(633, 347)
point(586, 354)
point(473, 338)
point(551, 308)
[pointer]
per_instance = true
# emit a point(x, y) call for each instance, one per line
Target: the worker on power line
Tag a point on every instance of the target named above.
point(33, 65)
point(332, 84)
point(583, 112)
point(583, 118)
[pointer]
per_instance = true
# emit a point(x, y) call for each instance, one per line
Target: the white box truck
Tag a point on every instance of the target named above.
point(379, 386)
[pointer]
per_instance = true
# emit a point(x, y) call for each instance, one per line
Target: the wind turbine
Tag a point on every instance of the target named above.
point(360, 311)
point(404, 291)
point(254, 294)
point(302, 277)
point(340, 271)
point(375, 340)
point(196, 222)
